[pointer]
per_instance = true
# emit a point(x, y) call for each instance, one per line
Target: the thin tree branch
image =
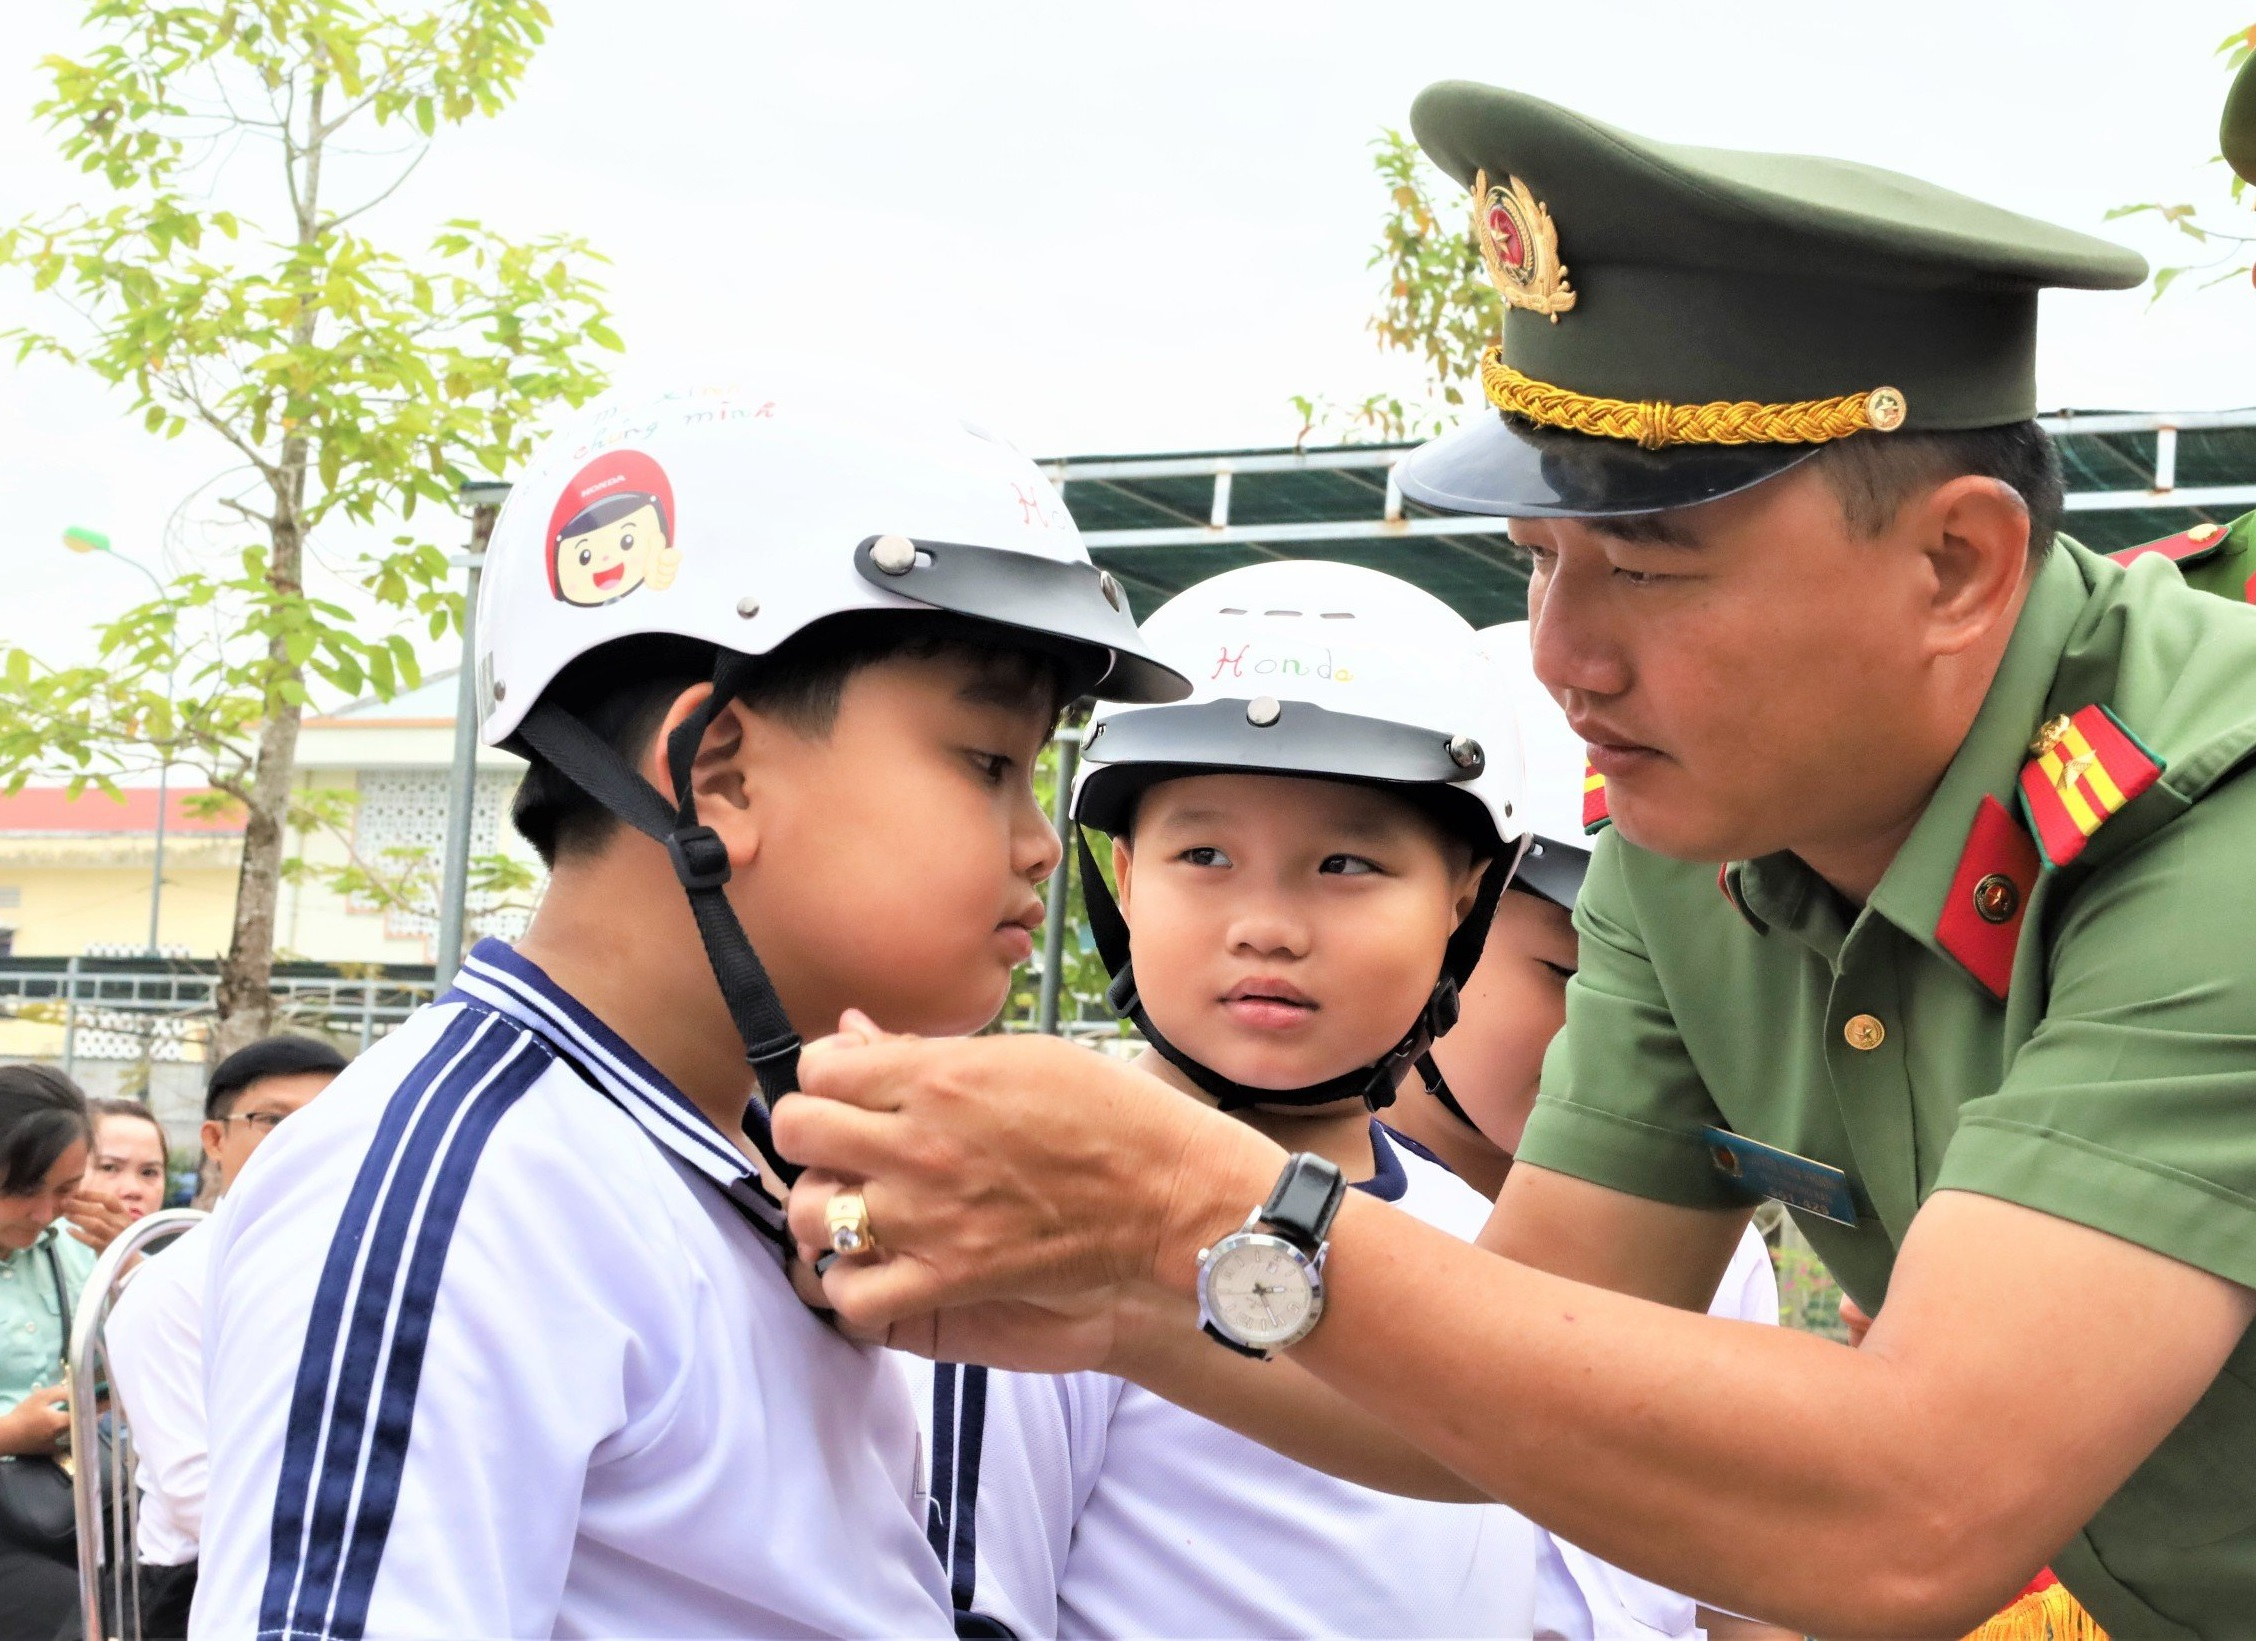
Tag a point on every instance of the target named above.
point(366, 206)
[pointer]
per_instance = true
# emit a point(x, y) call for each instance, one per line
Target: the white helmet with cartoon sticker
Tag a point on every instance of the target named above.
point(741, 518)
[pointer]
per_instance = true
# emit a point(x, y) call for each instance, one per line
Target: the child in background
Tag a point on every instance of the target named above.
point(1307, 855)
point(1471, 1096)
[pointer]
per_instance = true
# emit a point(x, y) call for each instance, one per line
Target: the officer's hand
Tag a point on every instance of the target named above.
point(1854, 1319)
point(1006, 1168)
point(40, 1423)
point(96, 1217)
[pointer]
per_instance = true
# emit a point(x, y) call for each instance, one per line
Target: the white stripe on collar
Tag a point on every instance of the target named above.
point(497, 978)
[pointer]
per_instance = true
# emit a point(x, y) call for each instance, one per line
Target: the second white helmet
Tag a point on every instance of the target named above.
point(1313, 668)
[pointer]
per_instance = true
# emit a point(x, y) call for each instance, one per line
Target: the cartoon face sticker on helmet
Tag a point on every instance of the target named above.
point(613, 531)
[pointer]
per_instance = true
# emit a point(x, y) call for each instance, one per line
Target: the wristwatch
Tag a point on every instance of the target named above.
point(1261, 1288)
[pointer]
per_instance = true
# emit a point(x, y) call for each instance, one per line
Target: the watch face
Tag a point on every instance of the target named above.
point(1261, 1290)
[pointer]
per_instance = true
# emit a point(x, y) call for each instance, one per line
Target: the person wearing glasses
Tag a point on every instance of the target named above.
point(155, 1334)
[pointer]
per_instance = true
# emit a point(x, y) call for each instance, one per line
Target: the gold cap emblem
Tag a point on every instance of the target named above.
point(1520, 246)
point(1885, 409)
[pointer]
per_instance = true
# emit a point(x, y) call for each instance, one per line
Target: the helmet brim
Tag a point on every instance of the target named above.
point(1129, 750)
point(1505, 468)
point(1054, 601)
point(1552, 871)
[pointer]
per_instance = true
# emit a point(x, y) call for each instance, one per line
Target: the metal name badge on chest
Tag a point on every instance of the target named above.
point(1765, 1171)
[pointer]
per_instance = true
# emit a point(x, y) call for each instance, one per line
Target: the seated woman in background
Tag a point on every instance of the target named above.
point(129, 1155)
point(45, 1134)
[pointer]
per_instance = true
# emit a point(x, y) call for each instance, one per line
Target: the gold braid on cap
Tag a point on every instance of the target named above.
point(1653, 423)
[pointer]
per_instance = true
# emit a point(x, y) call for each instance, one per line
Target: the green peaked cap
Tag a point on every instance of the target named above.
point(2236, 131)
point(1707, 276)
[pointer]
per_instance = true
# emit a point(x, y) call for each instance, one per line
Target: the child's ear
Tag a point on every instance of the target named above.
point(719, 773)
point(1123, 867)
point(1468, 888)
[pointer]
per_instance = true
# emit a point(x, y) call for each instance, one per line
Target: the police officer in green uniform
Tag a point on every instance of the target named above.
point(2219, 558)
point(1922, 908)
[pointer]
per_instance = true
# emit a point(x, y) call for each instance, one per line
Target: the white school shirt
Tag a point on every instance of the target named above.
point(155, 1341)
point(1579, 1597)
point(1081, 1505)
point(498, 1344)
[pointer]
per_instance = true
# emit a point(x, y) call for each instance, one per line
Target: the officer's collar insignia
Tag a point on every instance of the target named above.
point(1594, 815)
point(1520, 246)
point(1989, 893)
point(2083, 768)
point(2188, 547)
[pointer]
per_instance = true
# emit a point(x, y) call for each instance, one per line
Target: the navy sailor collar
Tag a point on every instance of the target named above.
point(495, 978)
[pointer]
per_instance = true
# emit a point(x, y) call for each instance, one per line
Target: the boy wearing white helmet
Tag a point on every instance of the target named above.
point(501, 1334)
point(1307, 852)
point(1470, 1098)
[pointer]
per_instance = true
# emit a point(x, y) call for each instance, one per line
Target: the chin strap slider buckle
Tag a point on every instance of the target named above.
point(700, 857)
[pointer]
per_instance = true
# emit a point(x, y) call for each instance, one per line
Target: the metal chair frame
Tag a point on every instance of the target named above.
point(109, 1544)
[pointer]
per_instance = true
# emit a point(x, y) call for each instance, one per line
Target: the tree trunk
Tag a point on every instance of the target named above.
point(245, 997)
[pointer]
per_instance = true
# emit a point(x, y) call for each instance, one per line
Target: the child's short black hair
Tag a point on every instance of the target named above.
point(623, 690)
point(285, 1056)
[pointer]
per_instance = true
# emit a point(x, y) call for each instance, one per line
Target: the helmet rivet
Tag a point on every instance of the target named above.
point(1264, 711)
point(501, 690)
point(1464, 752)
point(895, 555)
point(748, 607)
point(1109, 587)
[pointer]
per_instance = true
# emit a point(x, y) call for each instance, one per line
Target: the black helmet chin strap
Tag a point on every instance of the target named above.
point(1373, 1084)
point(700, 860)
point(1429, 1073)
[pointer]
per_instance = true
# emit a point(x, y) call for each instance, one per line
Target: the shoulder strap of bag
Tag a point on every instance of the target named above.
point(62, 1301)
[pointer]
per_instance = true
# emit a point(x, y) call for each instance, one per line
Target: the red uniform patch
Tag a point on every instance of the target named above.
point(1989, 895)
point(2184, 548)
point(2086, 767)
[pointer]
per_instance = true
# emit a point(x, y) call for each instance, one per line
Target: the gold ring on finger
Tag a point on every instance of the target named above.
point(847, 1218)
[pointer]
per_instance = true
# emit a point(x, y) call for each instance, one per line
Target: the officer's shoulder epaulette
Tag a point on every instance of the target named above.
point(2186, 547)
point(2083, 768)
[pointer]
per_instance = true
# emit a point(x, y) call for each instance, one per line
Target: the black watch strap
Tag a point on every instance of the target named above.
point(1306, 1201)
point(1227, 1343)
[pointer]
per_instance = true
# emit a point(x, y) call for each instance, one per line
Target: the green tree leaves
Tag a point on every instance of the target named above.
point(341, 377)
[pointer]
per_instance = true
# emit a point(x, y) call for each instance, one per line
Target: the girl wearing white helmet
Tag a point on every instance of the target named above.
point(1477, 1086)
point(541, 1368)
point(1307, 850)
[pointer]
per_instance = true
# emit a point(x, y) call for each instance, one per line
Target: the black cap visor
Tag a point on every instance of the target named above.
point(1506, 468)
point(1053, 601)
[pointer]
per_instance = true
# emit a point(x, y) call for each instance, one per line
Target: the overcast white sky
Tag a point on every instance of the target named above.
point(1144, 227)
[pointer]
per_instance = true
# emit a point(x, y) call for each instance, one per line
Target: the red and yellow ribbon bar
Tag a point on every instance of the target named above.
point(1594, 816)
point(2086, 767)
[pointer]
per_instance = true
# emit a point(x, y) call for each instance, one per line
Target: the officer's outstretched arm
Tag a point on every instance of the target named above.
point(1906, 1488)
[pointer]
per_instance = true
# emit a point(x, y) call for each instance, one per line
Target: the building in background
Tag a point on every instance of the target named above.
point(75, 884)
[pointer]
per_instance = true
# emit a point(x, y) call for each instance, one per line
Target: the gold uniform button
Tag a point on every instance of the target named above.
point(1864, 1033)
